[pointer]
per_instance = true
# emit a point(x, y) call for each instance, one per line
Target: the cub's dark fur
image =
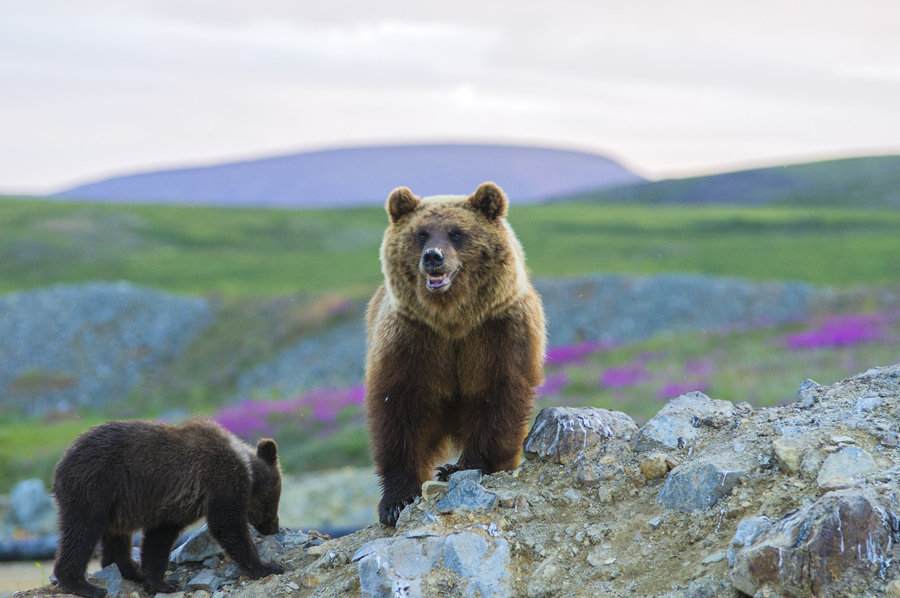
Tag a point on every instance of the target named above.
point(123, 476)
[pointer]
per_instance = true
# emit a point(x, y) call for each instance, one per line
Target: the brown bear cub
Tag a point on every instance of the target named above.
point(123, 476)
point(455, 343)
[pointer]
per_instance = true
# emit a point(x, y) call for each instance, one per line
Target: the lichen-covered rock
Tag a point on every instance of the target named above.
point(417, 566)
point(567, 433)
point(680, 422)
point(207, 580)
point(747, 531)
point(840, 468)
point(699, 485)
point(464, 492)
point(199, 546)
point(829, 548)
point(789, 452)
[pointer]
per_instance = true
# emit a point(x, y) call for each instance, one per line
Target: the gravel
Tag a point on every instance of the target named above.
point(616, 308)
point(86, 345)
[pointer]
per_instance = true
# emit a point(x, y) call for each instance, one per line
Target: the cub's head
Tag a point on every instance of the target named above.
point(266, 490)
point(444, 249)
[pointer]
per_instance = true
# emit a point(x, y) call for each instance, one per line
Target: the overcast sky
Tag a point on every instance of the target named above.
point(90, 89)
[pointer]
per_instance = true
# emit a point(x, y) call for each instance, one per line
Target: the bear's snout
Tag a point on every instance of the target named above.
point(433, 258)
point(438, 268)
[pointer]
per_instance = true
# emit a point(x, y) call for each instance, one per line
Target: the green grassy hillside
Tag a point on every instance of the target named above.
point(261, 252)
point(871, 182)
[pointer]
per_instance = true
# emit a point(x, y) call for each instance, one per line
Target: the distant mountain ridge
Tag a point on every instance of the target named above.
point(366, 175)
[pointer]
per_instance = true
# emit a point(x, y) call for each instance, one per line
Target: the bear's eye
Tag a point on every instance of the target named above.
point(422, 237)
point(455, 235)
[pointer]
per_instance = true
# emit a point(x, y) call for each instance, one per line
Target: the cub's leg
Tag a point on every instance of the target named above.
point(155, 549)
point(117, 549)
point(79, 534)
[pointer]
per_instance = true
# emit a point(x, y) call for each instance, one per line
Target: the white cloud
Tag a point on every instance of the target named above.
point(97, 86)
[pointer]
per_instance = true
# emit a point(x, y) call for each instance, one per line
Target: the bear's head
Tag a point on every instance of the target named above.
point(446, 253)
point(266, 490)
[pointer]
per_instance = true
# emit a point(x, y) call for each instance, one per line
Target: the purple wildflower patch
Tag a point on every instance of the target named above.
point(624, 376)
point(841, 331)
point(553, 384)
point(568, 354)
point(253, 417)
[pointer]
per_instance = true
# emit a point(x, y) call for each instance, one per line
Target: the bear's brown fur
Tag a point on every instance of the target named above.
point(455, 343)
point(122, 476)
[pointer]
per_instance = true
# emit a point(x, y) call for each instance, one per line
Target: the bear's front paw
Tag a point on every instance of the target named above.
point(160, 586)
point(443, 473)
point(389, 511)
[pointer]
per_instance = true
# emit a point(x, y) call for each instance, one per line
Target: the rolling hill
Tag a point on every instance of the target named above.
point(872, 182)
point(366, 175)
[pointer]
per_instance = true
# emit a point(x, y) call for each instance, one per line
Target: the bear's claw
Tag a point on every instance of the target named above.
point(389, 512)
point(443, 473)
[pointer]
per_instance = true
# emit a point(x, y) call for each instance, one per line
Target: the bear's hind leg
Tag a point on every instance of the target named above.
point(78, 538)
point(155, 549)
point(117, 549)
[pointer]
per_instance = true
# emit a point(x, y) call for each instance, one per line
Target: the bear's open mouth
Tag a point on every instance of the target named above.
point(439, 281)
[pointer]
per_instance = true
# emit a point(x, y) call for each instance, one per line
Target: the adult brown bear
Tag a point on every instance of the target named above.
point(455, 343)
point(123, 476)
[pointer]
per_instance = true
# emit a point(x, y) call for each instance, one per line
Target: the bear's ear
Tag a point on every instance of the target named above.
point(489, 200)
point(401, 202)
point(267, 450)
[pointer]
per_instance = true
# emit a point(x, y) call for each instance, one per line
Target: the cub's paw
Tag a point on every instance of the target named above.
point(389, 511)
point(83, 589)
point(159, 586)
point(443, 473)
point(265, 570)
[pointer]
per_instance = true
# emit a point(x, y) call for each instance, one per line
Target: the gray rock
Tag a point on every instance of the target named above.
point(206, 579)
point(32, 507)
point(808, 393)
point(473, 475)
point(270, 548)
point(867, 404)
point(199, 546)
point(112, 578)
point(700, 484)
point(747, 531)
point(567, 433)
point(679, 422)
point(480, 562)
point(467, 495)
point(789, 452)
point(289, 538)
point(411, 566)
point(394, 566)
point(232, 571)
point(845, 464)
point(833, 547)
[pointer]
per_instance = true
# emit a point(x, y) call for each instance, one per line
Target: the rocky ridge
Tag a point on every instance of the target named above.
point(708, 499)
